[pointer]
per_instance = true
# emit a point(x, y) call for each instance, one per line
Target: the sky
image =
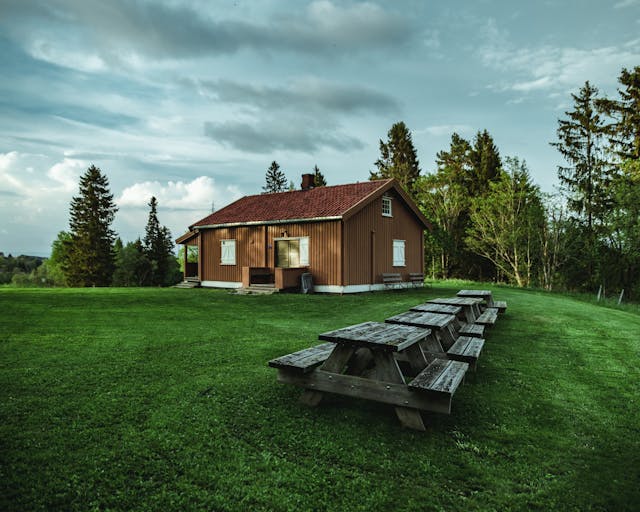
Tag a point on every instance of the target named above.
point(191, 100)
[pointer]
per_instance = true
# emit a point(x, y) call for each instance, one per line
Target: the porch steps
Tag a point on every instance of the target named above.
point(189, 282)
point(258, 289)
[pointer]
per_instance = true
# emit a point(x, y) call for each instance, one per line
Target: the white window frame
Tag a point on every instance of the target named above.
point(399, 257)
point(387, 209)
point(228, 252)
point(303, 248)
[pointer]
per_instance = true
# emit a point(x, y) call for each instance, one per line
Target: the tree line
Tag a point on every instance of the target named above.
point(490, 221)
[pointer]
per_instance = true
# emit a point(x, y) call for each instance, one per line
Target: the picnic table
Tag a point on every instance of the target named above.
point(363, 363)
point(470, 306)
point(446, 337)
point(486, 296)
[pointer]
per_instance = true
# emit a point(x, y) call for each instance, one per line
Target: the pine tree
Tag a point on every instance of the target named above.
point(318, 178)
point(276, 181)
point(624, 131)
point(90, 258)
point(398, 158)
point(158, 247)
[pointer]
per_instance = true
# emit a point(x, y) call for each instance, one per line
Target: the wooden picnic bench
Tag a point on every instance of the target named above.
point(488, 317)
point(486, 296)
point(392, 280)
point(446, 341)
point(429, 386)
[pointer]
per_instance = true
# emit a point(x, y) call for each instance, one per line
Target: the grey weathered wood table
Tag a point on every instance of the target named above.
point(486, 296)
point(437, 322)
point(382, 380)
point(470, 306)
point(446, 335)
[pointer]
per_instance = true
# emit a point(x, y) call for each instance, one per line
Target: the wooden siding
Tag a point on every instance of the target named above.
point(255, 247)
point(368, 242)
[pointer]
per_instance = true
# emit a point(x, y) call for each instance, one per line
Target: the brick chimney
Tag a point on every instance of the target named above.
point(308, 181)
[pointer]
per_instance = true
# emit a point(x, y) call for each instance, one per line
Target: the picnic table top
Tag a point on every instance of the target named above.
point(377, 335)
point(456, 301)
point(474, 293)
point(422, 319)
point(447, 309)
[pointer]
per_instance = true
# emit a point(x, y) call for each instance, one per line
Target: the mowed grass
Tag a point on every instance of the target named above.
point(161, 399)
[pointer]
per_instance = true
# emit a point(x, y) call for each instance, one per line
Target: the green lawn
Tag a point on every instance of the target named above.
point(161, 399)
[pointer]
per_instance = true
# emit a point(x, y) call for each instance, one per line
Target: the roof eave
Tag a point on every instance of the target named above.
point(267, 222)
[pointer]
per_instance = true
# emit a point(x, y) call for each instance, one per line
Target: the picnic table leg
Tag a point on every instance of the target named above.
point(334, 363)
point(389, 371)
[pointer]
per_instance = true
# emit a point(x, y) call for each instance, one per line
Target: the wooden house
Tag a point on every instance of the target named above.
point(346, 236)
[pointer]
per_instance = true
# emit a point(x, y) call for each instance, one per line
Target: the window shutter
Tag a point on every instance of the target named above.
point(304, 252)
point(228, 252)
point(398, 253)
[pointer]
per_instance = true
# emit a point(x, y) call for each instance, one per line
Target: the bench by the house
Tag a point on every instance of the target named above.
point(488, 317)
point(440, 380)
point(392, 280)
point(416, 279)
point(304, 361)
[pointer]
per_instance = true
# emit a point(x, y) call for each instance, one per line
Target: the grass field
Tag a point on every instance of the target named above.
point(161, 399)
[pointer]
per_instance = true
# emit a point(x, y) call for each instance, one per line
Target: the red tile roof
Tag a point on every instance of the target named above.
point(315, 203)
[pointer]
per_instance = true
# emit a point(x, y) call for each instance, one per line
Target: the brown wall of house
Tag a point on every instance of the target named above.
point(362, 266)
point(255, 247)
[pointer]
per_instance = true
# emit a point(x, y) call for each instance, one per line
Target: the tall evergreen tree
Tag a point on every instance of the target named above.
point(398, 158)
point(276, 181)
point(318, 178)
point(485, 159)
point(586, 179)
point(89, 257)
point(624, 131)
point(580, 143)
point(158, 247)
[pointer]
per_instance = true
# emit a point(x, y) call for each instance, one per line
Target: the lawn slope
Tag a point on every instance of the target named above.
point(161, 399)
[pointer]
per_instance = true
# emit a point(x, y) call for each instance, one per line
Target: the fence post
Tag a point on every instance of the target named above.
point(620, 298)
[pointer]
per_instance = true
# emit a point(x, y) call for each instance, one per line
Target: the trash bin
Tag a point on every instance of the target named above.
point(306, 283)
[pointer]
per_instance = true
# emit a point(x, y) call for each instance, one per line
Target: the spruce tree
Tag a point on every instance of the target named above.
point(318, 178)
point(624, 131)
point(276, 181)
point(585, 178)
point(89, 259)
point(485, 159)
point(158, 247)
point(398, 158)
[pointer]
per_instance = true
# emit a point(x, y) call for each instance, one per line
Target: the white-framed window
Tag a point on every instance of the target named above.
point(386, 207)
point(398, 253)
point(227, 252)
point(292, 252)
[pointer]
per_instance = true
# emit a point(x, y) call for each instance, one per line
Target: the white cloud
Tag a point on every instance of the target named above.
point(197, 194)
point(626, 3)
point(67, 172)
point(553, 68)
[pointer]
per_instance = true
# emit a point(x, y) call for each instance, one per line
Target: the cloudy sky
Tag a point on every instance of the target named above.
point(191, 100)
